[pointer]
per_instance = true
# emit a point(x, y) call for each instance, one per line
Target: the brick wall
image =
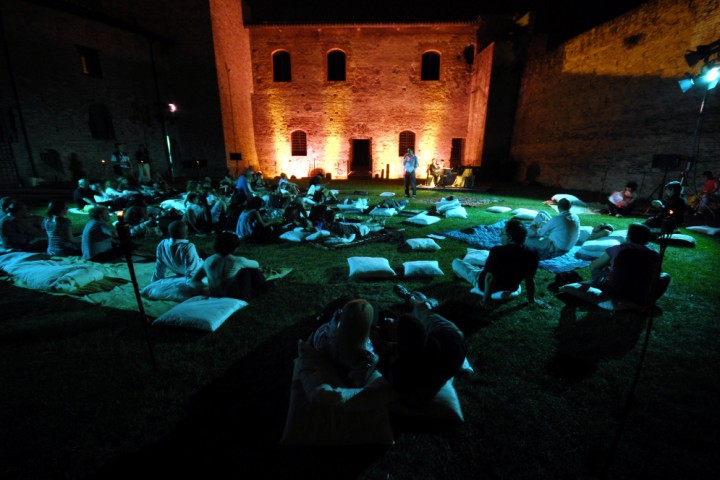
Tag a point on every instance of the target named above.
point(55, 96)
point(383, 94)
point(593, 112)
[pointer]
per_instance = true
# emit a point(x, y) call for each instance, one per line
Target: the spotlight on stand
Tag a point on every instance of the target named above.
point(686, 83)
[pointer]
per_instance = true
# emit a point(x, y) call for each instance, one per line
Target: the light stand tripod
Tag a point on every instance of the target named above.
point(123, 229)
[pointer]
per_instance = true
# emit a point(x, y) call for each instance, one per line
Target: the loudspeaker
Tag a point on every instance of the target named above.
point(667, 160)
point(235, 156)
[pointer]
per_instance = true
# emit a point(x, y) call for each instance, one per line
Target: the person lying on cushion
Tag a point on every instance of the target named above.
point(419, 352)
point(346, 340)
point(628, 270)
point(176, 254)
point(231, 275)
point(506, 266)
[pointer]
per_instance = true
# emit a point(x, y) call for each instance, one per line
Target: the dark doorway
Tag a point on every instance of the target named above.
point(361, 163)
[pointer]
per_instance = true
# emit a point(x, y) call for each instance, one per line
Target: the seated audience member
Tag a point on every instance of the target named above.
point(506, 266)
point(84, 195)
point(137, 217)
point(61, 241)
point(197, 214)
point(622, 203)
point(672, 209)
point(708, 194)
point(319, 192)
point(554, 236)
point(253, 226)
point(231, 275)
point(219, 210)
point(628, 270)
point(419, 353)
point(243, 187)
point(20, 231)
point(5, 202)
point(99, 238)
point(176, 254)
point(346, 340)
point(111, 189)
point(285, 186)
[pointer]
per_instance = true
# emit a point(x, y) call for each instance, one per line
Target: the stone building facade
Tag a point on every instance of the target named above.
point(593, 113)
point(79, 76)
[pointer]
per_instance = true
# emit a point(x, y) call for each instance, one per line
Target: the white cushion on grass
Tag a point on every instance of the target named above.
point(587, 293)
point(382, 212)
point(595, 248)
point(445, 406)
point(705, 229)
point(201, 313)
point(297, 235)
point(387, 194)
point(457, 212)
point(175, 289)
point(319, 235)
point(370, 267)
point(499, 295)
point(422, 268)
point(682, 240)
point(476, 257)
point(570, 198)
point(498, 209)
point(524, 214)
point(323, 411)
point(423, 219)
point(445, 205)
point(423, 244)
point(620, 235)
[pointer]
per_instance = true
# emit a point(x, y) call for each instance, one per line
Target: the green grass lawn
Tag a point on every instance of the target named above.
point(79, 396)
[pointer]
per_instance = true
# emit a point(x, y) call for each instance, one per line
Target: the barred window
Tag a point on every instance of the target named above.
point(336, 66)
point(407, 140)
point(298, 143)
point(430, 66)
point(281, 66)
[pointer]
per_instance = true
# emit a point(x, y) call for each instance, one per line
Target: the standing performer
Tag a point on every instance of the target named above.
point(410, 164)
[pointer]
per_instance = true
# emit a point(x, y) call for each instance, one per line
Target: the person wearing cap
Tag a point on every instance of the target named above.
point(672, 209)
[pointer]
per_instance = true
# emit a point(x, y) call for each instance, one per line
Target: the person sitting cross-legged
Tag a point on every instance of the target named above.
point(230, 275)
point(176, 254)
point(99, 238)
point(554, 236)
point(506, 266)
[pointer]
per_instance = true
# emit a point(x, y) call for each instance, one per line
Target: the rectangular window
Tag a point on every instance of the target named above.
point(298, 144)
point(89, 61)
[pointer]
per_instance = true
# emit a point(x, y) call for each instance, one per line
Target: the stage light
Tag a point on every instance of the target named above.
point(686, 83)
point(711, 77)
point(172, 108)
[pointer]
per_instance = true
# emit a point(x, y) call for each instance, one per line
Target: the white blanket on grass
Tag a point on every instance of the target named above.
point(53, 276)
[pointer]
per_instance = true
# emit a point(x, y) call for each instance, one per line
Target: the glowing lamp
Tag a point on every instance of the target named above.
point(172, 108)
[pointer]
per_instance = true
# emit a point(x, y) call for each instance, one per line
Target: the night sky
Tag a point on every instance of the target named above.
point(559, 20)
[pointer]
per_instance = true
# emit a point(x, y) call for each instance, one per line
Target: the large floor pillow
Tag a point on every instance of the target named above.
point(594, 296)
point(175, 289)
point(444, 205)
point(54, 276)
point(423, 219)
point(200, 313)
point(681, 240)
point(323, 411)
point(593, 249)
point(457, 212)
point(422, 268)
point(423, 244)
point(476, 257)
point(498, 209)
point(370, 268)
point(296, 235)
point(445, 406)
point(524, 214)
point(705, 229)
point(570, 198)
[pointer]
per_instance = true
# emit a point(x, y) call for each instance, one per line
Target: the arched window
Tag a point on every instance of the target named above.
point(336, 66)
point(298, 143)
point(407, 140)
point(430, 66)
point(281, 66)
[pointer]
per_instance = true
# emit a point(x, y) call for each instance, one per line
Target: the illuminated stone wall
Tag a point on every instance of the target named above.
point(383, 94)
point(593, 112)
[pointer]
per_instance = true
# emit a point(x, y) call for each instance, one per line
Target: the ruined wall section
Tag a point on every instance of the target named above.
point(593, 112)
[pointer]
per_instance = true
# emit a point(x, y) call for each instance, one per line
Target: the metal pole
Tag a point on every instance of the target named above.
point(163, 113)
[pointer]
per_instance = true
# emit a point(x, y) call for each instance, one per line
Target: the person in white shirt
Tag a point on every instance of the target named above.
point(230, 275)
point(176, 254)
point(554, 236)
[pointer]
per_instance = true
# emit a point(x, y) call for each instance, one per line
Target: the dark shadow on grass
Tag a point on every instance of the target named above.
point(597, 335)
point(233, 427)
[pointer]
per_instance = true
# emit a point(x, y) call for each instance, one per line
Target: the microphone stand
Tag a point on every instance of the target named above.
point(123, 229)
